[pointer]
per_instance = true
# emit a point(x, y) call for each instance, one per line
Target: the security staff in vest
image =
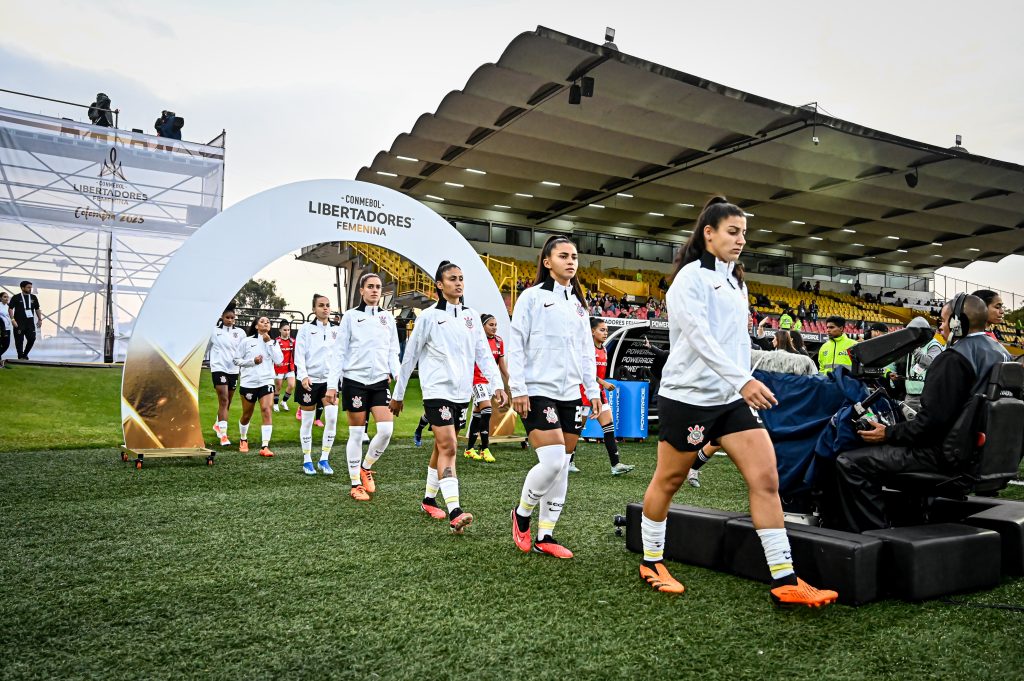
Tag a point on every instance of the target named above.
point(786, 320)
point(835, 351)
point(24, 309)
point(917, 364)
point(916, 446)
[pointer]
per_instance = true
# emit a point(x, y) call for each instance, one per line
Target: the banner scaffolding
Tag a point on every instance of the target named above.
point(91, 215)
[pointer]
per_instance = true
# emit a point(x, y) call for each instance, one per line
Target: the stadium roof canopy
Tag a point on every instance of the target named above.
point(652, 143)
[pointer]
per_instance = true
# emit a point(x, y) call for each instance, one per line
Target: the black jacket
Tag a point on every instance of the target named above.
point(17, 304)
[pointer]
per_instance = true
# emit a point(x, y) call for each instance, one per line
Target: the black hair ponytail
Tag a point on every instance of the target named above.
point(543, 273)
point(715, 210)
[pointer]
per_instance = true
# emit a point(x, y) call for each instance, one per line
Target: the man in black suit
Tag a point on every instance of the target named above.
point(24, 308)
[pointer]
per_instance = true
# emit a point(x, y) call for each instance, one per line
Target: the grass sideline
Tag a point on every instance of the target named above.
point(250, 569)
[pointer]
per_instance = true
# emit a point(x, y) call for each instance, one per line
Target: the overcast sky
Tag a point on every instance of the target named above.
point(312, 89)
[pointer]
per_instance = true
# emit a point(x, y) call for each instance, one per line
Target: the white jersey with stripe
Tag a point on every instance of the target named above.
point(446, 343)
point(255, 375)
point(312, 346)
point(367, 347)
point(223, 348)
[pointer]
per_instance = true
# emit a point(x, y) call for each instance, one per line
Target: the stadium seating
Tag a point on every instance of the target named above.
point(829, 303)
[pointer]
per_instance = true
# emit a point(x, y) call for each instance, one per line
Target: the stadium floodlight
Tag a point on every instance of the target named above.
point(850, 231)
point(525, 196)
point(455, 184)
point(407, 158)
point(499, 205)
point(475, 171)
point(386, 174)
point(435, 198)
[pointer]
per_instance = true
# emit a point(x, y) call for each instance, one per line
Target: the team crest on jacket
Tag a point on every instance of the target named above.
point(550, 415)
point(446, 413)
point(383, 320)
point(357, 401)
point(334, 335)
point(469, 322)
point(579, 310)
point(696, 435)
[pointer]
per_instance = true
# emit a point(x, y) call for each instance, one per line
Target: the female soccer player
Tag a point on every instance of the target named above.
point(285, 371)
point(223, 349)
point(599, 334)
point(996, 311)
point(480, 424)
point(312, 347)
point(446, 342)
point(550, 356)
point(257, 355)
point(708, 395)
point(365, 359)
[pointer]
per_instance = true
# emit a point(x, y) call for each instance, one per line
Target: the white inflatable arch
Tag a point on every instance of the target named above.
point(160, 385)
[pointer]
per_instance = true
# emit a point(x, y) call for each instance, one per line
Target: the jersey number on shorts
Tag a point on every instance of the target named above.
point(581, 415)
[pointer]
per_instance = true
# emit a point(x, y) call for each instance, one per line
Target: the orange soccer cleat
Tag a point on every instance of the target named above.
point(265, 451)
point(434, 511)
point(366, 477)
point(551, 547)
point(660, 579)
point(802, 593)
point(522, 539)
point(460, 522)
point(359, 493)
point(243, 446)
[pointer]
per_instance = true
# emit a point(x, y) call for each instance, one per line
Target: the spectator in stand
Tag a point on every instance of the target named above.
point(817, 288)
point(835, 351)
point(856, 289)
point(996, 311)
point(662, 285)
point(25, 314)
point(801, 310)
point(100, 112)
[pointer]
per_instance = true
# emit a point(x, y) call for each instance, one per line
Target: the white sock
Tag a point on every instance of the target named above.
point(265, 432)
point(354, 451)
point(306, 435)
point(551, 504)
point(222, 426)
point(330, 429)
point(776, 551)
point(243, 430)
point(653, 534)
point(450, 492)
point(432, 484)
point(550, 460)
point(379, 443)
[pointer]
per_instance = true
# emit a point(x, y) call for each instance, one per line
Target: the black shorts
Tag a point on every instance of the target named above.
point(356, 396)
point(548, 414)
point(444, 413)
point(311, 397)
point(688, 427)
point(222, 378)
point(254, 394)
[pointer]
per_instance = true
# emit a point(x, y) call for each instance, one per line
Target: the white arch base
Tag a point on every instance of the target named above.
point(160, 385)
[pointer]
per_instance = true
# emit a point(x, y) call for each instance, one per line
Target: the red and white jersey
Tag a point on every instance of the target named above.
point(498, 350)
point(287, 346)
point(601, 358)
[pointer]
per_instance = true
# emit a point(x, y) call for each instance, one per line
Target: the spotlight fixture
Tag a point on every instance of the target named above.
point(911, 178)
point(575, 93)
point(587, 86)
point(609, 38)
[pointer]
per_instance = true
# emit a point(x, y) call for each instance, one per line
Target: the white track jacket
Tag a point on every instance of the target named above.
point(446, 341)
point(312, 346)
point(550, 349)
point(224, 348)
point(367, 347)
point(709, 359)
point(257, 375)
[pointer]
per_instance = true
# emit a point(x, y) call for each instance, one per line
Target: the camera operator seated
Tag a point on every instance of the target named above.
point(915, 446)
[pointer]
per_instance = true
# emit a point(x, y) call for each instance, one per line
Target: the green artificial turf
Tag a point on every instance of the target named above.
point(249, 569)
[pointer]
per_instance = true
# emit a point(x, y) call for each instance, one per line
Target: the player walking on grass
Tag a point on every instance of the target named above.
point(223, 349)
point(481, 421)
point(257, 355)
point(312, 347)
point(550, 356)
point(599, 334)
point(446, 342)
point(365, 359)
point(285, 370)
point(708, 395)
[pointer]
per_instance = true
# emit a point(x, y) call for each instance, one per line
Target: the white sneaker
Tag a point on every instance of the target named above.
point(277, 408)
point(693, 478)
point(572, 468)
point(621, 468)
point(284, 405)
